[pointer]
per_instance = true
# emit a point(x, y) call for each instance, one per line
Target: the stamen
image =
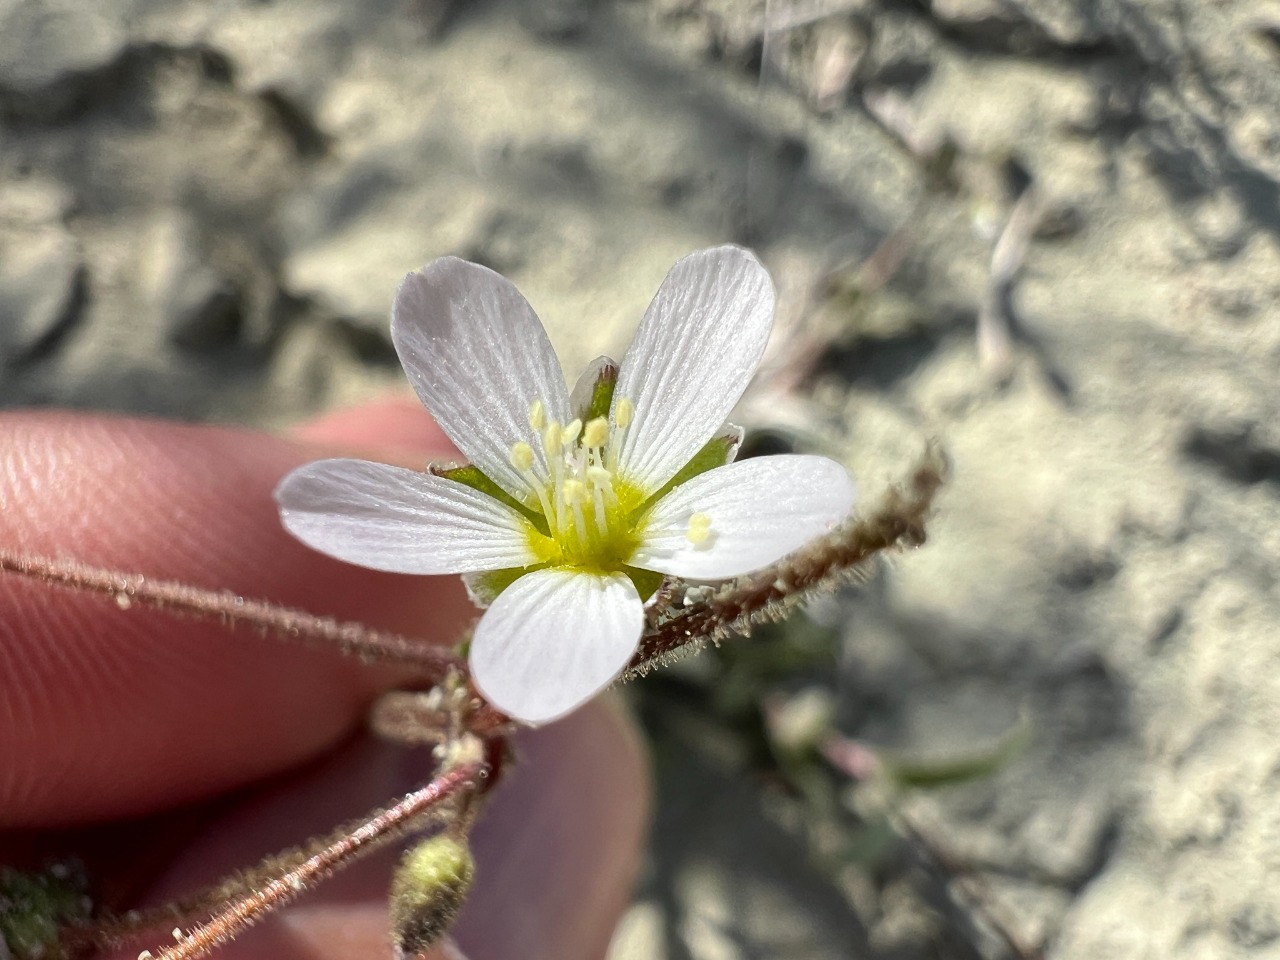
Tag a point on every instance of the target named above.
point(699, 531)
point(522, 456)
point(570, 432)
point(551, 438)
point(602, 520)
point(574, 492)
point(624, 411)
point(575, 481)
point(595, 433)
point(602, 480)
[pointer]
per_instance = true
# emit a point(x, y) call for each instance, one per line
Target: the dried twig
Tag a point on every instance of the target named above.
point(995, 328)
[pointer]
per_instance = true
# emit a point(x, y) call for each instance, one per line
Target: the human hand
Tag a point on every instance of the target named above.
point(108, 715)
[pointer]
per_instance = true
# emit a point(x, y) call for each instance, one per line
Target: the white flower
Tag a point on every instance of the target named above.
point(574, 505)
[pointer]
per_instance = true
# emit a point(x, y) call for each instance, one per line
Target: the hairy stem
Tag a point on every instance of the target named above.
point(244, 898)
point(233, 611)
point(898, 520)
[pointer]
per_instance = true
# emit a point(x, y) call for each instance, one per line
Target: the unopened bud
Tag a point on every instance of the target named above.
point(428, 891)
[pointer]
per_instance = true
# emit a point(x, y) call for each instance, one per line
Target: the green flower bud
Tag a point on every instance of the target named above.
point(428, 891)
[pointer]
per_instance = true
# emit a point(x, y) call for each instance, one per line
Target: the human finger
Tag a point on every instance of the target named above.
point(556, 849)
point(108, 712)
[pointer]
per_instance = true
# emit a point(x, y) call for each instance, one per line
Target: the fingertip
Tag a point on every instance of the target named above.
point(394, 425)
point(110, 713)
point(557, 848)
point(560, 844)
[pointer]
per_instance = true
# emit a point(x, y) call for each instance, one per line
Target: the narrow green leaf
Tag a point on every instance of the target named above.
point(589, 402)
point(945, 772)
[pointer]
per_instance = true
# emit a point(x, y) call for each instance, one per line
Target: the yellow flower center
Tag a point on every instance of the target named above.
point(589, 509)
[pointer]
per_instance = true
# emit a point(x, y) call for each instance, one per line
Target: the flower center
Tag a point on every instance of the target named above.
point(589, 509)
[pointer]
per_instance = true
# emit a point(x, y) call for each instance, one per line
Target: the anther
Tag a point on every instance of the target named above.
point(595, 433)
point(699, 529)
point(522, 456)
point(574, 491)
point(537, 415)
point(624, 412)
point(551, 437)
point(570, 432)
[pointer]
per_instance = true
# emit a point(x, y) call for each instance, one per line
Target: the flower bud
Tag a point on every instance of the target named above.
point(428, 891)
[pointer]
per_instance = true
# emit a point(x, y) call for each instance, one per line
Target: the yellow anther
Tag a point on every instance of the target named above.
point(537, 415)
point(699, 529)
point(522, 456)
point(599, 476)
point(570, 432)
point(595, 433)
point(551, 437)
point(624, 411)
point(575, 491)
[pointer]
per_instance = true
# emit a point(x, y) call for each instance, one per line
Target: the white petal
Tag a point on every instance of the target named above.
point(553, 640)
point(478, 357)
point(693, 356)
point(402, 521)
point(760, 509)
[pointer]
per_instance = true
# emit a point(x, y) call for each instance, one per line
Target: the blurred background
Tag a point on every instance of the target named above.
point(1044, 231)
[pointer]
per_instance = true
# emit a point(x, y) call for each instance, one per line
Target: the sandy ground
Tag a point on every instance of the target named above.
point(1044, 231)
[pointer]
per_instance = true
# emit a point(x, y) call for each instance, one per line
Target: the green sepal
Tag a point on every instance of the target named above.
point(485, 586)
point(646, 582)
point(427, 892)
point(593, 393)
point(923, 774)
point(716, 452)
point(473, 477)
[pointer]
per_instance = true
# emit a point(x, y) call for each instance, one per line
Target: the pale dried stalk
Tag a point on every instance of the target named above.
point(995, 327)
